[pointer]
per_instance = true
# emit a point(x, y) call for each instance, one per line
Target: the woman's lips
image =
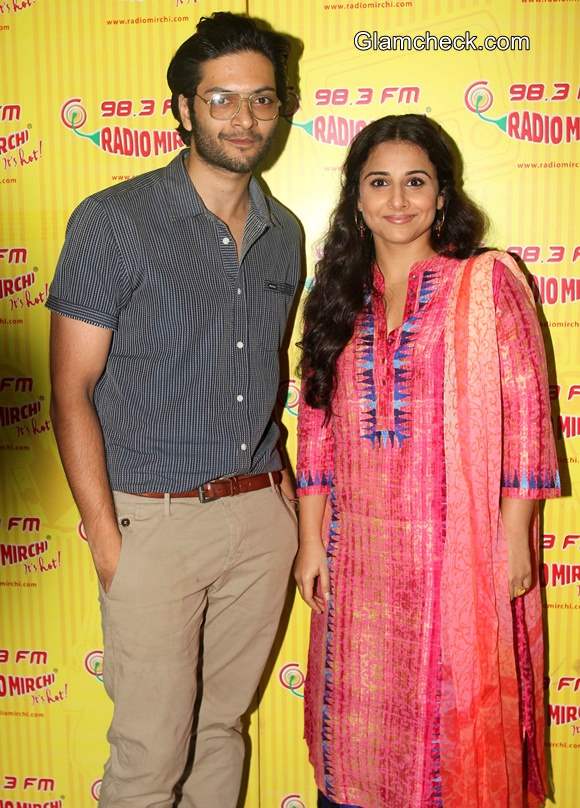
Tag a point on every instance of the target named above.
point(399, 219)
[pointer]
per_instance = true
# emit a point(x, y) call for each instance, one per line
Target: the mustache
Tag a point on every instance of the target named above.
point(253, 138)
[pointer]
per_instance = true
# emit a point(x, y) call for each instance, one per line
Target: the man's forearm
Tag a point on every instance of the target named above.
point(80, 443)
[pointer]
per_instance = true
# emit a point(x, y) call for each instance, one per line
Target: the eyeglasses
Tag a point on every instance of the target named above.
point(225, 106)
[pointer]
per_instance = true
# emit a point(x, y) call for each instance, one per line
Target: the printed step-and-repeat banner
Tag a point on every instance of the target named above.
point(83, 105)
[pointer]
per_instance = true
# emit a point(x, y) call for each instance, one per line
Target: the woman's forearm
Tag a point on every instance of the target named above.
point(516, 516)
point(311, 513)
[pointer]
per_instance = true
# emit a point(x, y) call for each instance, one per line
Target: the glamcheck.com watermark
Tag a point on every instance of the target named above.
point(372, 40)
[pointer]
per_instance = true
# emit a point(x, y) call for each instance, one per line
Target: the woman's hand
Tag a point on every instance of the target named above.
point(519, 565)
point(311, 574)
point(516, 516)
point(310, 567)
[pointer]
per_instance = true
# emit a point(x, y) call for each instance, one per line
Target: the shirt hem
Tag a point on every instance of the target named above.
point(172, 487)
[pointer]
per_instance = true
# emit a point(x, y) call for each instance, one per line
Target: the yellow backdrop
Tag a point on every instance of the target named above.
point(83, 104)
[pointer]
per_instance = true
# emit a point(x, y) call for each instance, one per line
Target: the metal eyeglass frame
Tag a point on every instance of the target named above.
point(241, 97)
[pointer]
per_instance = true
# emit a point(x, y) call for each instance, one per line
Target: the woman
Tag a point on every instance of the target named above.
point(424, 440)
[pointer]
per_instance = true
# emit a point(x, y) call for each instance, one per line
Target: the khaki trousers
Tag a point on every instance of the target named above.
point(190, 575)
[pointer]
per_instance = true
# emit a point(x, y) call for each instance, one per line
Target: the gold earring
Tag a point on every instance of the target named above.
point(360, 224)
point(438, 228)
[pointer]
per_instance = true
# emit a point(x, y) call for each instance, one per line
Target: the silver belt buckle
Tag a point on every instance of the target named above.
point(201, 494)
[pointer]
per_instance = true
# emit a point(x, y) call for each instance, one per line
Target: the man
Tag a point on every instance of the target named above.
point(169, 306)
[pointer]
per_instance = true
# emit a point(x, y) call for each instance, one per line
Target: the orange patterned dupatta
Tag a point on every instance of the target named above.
point(492, 725)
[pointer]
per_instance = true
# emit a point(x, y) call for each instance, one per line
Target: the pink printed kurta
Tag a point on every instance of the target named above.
point(379, 664)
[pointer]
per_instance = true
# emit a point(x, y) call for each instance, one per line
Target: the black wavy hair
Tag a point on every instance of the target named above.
point(219, 35)
point(343, 275)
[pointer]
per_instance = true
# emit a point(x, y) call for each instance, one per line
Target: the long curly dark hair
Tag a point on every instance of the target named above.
point(343, 275)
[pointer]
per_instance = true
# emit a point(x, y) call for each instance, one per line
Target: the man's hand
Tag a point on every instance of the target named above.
point(287, 486)
point(106, 551)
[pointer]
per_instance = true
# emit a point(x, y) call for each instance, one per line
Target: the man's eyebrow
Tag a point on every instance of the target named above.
point(388, 173)
point(225, 90)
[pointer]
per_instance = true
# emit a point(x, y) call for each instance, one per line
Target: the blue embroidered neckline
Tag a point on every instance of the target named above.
point(401, 362)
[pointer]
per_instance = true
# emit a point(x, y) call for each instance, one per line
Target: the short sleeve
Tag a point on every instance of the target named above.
point(315, 466)
point(90, 283)
point(529, 462)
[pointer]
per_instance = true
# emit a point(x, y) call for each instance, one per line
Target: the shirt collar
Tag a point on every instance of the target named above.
point(185, 202)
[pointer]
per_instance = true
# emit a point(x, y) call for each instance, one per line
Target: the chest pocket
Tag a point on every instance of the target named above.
point(281, 288)
point(277, 298)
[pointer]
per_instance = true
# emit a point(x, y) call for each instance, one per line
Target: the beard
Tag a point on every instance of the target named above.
point(210, 148)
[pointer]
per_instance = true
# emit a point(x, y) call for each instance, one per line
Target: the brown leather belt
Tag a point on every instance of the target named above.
point(224, 487)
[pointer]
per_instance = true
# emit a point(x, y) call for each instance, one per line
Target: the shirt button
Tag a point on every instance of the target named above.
point(225, 240)
point(239, 291)
point(239, 344)
point(240, 398)
point(243, 447)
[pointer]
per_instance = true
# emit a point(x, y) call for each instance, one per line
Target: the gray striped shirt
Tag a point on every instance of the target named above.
point(192, 375)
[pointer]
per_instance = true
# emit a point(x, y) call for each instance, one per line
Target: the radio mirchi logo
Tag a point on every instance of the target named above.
point(96, 790)
point(123, 141)
point(38, 684)
point(292, 801)
point(340, 129)
point(528, 124)
point(292, 678)
point(289, 396)
point(94, 664)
